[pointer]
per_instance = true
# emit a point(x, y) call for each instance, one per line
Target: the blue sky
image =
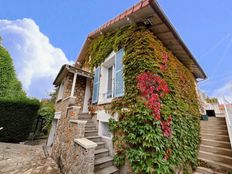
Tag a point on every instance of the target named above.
point(60, 28)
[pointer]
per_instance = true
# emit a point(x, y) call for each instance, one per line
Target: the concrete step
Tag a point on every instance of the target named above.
point(100, 145)
point(89, 133)
point(90, 128)
point(84, 116)
point(94, 138)
point(99, 153)
point(215, 143)
point(215, 157)
point(102, 163)
point(215, 121)
point(214, 127)
point(215, 164)
point(215, 137)
point(215, 132)
point(216, 150)
point(204, 170)
point(88, 124)
point(216, 118)
point(108, 170)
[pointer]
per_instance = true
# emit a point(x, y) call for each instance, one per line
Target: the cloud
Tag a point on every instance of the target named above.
point(225, 90)
point(36, 60)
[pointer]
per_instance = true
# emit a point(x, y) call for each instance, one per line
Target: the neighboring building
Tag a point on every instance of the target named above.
point(84, 97)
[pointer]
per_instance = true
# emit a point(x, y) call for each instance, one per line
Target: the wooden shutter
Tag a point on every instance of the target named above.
point(96, 83)
point(119, 81)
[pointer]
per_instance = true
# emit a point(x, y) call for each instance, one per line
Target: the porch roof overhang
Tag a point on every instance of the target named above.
point(65, 69)
point(149, 13)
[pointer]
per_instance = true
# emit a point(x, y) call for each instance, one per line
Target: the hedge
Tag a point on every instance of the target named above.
point(16, 118)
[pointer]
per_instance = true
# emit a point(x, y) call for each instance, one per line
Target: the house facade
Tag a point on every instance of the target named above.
point(135, 67)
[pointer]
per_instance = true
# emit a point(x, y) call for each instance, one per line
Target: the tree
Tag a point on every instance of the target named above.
point(10, 86)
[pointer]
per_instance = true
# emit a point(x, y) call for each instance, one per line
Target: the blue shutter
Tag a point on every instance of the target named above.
point(96, 83)
point(119, 81)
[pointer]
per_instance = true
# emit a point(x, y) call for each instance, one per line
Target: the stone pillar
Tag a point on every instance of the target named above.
point(72, 112)
point(79, 128)
point(73, 84)
point(85, 162)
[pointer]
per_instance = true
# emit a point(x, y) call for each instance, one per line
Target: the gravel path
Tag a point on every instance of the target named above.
point(25, 159)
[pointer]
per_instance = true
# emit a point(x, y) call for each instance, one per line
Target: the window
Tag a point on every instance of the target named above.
point(108, 79)
point(60, 92)
point(104, 129)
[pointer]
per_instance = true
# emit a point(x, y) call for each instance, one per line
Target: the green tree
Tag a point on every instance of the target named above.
point(10, 86)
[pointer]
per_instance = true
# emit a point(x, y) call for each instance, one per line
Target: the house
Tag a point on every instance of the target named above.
point(134, 84)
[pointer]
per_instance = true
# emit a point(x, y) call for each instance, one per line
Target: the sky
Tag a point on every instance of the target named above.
point(43, 35)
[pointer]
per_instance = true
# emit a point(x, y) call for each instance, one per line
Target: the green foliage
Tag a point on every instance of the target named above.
point(47, 111)
point(17, 117)
point(138, 137)
point(10, 87)
point(212, 100)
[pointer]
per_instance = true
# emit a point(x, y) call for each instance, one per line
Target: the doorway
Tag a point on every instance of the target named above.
point(211, 113)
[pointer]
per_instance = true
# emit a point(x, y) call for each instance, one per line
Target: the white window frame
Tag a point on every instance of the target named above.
point(103, 88)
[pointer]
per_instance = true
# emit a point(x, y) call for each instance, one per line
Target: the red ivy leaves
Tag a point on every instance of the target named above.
point(163, 65)
point(166, 127)
point(153, 88)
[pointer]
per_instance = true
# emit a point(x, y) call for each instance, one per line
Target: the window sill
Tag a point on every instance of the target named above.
point(106, 101)
point(58, 100)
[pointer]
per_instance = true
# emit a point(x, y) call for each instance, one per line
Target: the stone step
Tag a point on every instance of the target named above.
point(204, 170)
point(102, 163)
point(100, 145)
point(216, 150)
point(108, 170)
point(215, 132)
point(215, 157)
point(215, 164)
point(89, 133)
point(99, 153)
point(215, 137)
point(94, 138)
point(215, 143)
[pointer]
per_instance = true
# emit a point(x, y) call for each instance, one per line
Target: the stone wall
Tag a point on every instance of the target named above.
point(70, 156)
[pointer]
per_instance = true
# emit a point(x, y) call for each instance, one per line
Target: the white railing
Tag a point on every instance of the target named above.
point(228, 116)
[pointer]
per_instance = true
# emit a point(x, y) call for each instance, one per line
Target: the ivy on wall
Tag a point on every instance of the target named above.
point(138, 137)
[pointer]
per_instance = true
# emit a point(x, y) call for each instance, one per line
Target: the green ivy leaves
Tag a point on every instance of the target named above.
point(138, 138)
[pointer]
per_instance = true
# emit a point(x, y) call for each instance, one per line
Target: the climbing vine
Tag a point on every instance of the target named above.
point(158, 126)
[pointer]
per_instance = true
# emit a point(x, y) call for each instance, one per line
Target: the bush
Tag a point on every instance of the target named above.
point(17, 117)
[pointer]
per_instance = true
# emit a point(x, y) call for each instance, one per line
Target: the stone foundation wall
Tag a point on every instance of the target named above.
point(71, 157)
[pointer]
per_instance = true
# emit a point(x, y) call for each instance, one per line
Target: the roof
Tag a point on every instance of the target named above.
point(149, 12)
point(65, 69)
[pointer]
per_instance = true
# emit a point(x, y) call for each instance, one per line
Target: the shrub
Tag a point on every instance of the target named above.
point(10, 86)
point(17, 117)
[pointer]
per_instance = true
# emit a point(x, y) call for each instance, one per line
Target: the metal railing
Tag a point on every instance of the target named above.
point(228, 116)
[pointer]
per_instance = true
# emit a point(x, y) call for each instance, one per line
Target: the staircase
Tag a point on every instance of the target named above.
point(215, 149)
point(103, 163)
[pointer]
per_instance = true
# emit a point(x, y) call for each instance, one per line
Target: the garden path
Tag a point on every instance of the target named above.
point(25, 159)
